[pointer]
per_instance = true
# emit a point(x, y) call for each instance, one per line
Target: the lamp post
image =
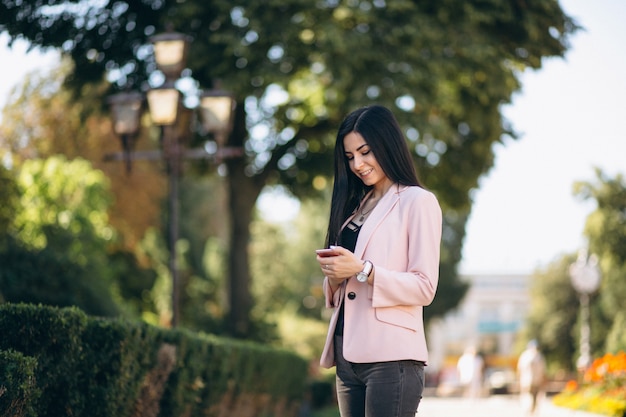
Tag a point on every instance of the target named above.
point(166, 111)
point(163, 104)
point(585, 277)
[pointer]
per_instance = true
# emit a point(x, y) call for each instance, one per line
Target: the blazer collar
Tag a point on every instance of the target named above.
point(382, 209)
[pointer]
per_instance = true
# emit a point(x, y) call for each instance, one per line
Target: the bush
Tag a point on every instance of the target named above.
point(97, 367)
point(41, 276)
point(17, 384)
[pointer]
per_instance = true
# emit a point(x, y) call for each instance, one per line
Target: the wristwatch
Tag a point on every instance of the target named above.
point(365, 273)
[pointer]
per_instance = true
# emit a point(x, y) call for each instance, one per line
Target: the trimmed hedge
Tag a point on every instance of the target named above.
point(17, 384)
point(63, 363)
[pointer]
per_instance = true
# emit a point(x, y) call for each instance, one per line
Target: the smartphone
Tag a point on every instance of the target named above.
point(326, 252)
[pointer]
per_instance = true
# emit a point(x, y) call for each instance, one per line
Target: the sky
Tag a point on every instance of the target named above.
point(570, 115)
point(17, 61)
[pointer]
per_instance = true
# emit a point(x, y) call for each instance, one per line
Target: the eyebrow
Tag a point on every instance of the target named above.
point(359, 148)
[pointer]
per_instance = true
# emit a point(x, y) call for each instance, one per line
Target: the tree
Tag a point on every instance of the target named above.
point(445, 68)
point(606, 231)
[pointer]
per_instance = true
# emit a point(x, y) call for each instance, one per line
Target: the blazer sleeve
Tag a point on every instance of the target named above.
point(418, 284)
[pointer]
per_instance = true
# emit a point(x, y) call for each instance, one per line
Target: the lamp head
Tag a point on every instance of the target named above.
point(125, 112)
point(217, 108)
point(163, 104)
point(170, 53)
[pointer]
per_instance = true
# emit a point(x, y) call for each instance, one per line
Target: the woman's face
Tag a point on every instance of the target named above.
point(362, 161)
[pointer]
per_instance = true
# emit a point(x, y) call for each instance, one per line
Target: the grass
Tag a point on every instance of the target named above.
point(330, 411)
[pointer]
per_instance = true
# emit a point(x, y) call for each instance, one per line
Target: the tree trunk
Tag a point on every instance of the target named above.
point(243, 191)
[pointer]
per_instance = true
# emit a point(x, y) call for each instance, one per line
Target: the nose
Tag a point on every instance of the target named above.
point(358, 161)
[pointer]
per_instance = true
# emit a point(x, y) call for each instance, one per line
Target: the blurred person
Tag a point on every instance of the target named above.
point(381, 268)
point(531, 368)
point(470, 367)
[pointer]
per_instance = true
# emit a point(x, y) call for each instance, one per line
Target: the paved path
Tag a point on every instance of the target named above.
point(493, 406)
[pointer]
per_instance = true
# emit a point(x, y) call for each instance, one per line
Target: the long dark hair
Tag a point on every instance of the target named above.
point(381, 131)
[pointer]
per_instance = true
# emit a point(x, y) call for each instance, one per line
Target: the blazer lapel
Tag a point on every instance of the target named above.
point(382, 209)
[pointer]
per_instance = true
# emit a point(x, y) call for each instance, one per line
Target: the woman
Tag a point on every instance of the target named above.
point(382, 267)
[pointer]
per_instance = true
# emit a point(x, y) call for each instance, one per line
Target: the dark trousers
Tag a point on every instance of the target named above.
point(380, 389)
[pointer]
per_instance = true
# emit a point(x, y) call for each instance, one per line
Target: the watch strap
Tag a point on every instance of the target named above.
point(367, 268)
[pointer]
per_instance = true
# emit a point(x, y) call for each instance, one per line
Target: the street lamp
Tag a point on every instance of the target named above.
point(125, 112)
point(217, 110)
point(585, 277)
point(170, 53)
point(163, 104)
point(166, 111)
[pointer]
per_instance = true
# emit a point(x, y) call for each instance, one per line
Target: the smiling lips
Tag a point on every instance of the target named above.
point(365, 173)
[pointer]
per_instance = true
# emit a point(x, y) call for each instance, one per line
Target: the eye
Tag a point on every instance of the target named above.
point(349, 157)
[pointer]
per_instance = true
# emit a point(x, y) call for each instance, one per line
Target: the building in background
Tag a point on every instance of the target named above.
point(488, 319)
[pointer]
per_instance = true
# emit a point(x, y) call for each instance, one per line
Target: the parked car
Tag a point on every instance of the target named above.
point(501, 381)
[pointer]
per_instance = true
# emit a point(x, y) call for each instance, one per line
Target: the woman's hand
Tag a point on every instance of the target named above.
point(341, 266)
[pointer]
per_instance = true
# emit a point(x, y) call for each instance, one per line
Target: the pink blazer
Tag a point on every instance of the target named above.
point(383, 321)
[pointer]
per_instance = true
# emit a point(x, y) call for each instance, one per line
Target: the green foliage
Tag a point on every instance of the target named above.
point(66, 194)
point(331, 411)
point(58, 244)
point(103, 367)
point(202, 252)
point(18, 390)
point(291, 281)
point(10, 199)
point(450, 291)
point(32, 332)
point(300, 334)
point(57, 254)
point(553, 314)
point(606, 226)
point(616, 337)
point(132, 282)
point(43, 276)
